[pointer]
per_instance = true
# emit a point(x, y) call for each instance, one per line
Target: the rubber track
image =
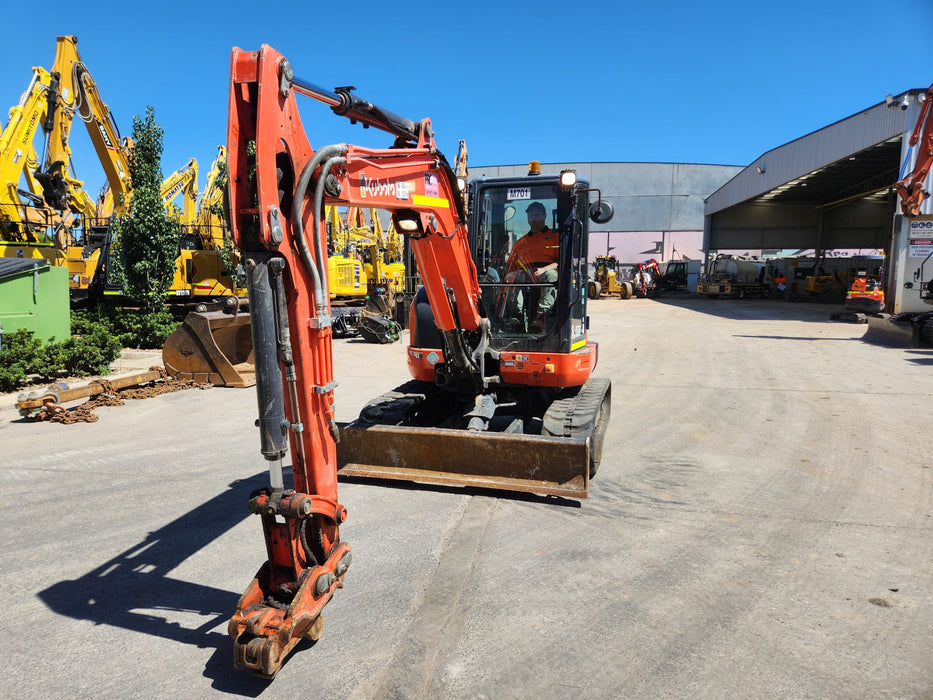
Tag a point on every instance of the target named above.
point(573, 413)
point(392, 407)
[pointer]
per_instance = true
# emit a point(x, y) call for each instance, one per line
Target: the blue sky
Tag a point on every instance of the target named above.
point(717, 83)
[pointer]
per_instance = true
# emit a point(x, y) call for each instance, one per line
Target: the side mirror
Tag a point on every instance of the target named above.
point(509, 212)
point(601, 212)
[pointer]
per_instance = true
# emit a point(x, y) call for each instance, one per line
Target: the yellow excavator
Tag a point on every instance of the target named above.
point(45, 211)
point(184, 180)
point(52, 217)
point(214, 345)
point(207, 260)
point(203, 267)
point(29, 227)
point(364, 269)
point(365, 273)
point(209, 220)
point(381, 318)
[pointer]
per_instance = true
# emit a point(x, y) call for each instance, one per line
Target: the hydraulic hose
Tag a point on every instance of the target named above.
point(320, 301)
point(318, 206)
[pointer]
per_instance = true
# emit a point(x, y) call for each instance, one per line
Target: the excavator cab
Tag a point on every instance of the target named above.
point(532, 282)
point(530, 303)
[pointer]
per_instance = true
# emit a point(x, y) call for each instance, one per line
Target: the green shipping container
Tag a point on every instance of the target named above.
point(34, 296)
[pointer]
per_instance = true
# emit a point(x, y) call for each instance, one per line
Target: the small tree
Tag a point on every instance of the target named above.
point(145, 239)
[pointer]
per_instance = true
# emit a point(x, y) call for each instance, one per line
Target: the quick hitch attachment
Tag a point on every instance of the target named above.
point(284, 602)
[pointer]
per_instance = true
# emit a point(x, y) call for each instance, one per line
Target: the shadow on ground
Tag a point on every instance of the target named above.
point(124, 591)
point(756, 309)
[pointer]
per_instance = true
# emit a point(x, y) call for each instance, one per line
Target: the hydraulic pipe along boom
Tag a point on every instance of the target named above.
point(354, 108)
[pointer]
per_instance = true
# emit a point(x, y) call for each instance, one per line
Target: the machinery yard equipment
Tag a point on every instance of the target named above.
point(913, 329)
point(735, 276)
point(606, 279)
point(647, 279)
point(509, 389)
point(54, 217)
point(676, 275)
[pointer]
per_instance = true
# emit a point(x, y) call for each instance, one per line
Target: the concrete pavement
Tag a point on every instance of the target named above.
point(760, 527)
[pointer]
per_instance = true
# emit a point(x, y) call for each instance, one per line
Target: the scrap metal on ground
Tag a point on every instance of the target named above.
point(48, 404)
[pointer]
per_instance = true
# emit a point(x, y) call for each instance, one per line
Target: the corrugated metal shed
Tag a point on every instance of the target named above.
point(832, 188)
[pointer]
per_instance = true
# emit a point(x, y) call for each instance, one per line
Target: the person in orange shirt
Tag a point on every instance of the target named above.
point(535, 252)
point(534, 259)
point(781, 281)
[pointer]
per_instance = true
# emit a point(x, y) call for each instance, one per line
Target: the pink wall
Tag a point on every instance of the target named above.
point(631, 246)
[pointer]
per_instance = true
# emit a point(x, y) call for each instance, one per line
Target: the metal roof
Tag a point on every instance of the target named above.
point(12, 266)
point(857, 157)
point(830, 189)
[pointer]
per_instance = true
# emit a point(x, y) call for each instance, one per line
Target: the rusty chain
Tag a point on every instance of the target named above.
point(84, 413)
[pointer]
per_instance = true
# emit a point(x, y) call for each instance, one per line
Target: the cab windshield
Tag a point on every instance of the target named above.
point(517, 246)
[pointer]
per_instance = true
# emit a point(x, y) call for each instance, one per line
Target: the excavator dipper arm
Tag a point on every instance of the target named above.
point(279, 186)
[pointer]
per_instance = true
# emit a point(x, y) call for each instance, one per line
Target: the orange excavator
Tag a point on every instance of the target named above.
point(865, 294)
point(911, 185)
point(503, 401)
point(647, 279)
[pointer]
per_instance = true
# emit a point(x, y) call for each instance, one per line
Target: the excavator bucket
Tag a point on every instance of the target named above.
point(535, 464)
point(212, 347)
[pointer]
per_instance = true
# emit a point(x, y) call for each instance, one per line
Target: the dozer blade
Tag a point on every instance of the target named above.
point(212, 347)
point(886, 330)
point(527, 463)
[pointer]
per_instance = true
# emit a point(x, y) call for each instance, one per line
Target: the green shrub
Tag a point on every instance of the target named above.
point(17, 357)
point(138, 329)
point(97, 336)
point(88, 354)
point(86, 321)
point(134, 328)
point(25, 359)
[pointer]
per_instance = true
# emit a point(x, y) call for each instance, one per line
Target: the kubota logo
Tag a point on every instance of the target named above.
point(382, 188)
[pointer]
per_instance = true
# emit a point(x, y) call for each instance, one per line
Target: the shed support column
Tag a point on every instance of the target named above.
point(818, 247)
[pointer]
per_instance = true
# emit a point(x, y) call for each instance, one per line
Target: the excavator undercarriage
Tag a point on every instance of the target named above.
point(532, 442)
